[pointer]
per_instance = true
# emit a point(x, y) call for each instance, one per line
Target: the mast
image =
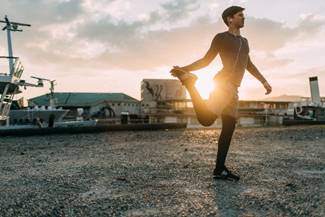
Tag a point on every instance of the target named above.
point(11, 27)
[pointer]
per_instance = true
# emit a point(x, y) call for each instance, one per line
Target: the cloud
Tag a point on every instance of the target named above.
point(41, 12)
point(269, 35)
point(101, 41)
point(77, 40)
point(267, 60)
point(180, 8)
point(305, 73)
point(158, 48)
point(72, 35)
point(137, 50)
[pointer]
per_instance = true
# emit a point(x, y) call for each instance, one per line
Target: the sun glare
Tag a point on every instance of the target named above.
point(205, 86)
point(205, 83)
point(247, 90)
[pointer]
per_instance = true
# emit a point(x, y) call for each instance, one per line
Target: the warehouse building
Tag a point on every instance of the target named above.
point(90, 105)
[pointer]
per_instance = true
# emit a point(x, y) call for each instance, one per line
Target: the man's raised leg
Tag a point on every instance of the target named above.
point(203, 114)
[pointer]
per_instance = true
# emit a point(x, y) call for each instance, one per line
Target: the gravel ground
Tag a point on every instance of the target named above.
point(164, 173)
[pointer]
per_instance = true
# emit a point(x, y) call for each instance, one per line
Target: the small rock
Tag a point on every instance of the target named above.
point(122, 179)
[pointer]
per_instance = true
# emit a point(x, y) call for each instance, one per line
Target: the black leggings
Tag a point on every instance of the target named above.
point(203, 114)
point(207, 118)
point(228, 128)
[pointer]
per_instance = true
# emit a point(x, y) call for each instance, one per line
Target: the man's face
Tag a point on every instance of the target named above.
point(238, 20)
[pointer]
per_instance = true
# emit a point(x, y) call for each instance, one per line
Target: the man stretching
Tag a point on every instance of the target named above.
point(223, 101)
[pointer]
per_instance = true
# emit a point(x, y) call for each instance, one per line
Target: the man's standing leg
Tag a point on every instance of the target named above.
point(228, 128)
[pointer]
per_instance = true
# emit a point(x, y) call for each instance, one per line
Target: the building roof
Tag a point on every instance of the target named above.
point(80, 99)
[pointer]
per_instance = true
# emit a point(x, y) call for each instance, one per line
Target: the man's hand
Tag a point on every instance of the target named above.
point(267, 87)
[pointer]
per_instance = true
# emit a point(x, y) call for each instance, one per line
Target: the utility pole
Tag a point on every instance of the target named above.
point(266, 107)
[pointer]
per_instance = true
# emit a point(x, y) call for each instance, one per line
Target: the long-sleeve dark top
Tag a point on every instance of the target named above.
point(234, 53)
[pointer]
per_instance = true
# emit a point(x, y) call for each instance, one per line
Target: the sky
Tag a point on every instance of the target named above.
point(111, 45)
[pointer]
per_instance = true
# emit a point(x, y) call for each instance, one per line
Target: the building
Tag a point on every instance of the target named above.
point(98, 105)
point(164, 100)
point(159, 98)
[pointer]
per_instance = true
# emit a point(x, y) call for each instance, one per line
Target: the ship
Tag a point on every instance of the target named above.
point(13, 116)
point(307, 111)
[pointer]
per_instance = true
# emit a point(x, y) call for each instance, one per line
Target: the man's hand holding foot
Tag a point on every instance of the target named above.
point(183, 75)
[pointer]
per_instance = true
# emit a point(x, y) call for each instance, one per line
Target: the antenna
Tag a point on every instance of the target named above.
point(52, 84)
point(11, 27)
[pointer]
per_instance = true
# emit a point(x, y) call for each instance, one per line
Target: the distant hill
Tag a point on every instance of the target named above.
point(286, 98)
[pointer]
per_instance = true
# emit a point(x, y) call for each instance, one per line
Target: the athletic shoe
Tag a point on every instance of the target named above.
point(185, 77)
point(225, 174)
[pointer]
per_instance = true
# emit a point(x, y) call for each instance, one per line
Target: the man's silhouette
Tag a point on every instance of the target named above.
point(223, 101)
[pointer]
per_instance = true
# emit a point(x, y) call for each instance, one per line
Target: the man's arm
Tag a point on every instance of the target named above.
point(207, 59)
point(256, 73)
